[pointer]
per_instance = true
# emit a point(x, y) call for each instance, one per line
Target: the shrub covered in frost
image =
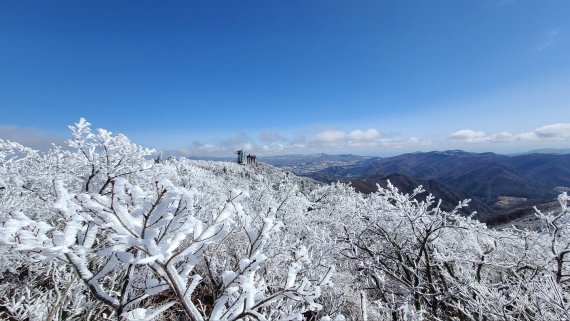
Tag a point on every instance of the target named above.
point(99, 231)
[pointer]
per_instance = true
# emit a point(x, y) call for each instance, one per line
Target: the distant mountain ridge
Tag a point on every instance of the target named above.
point(450, 197)
point(499, 185)
point(484, 177)
point(557, 151)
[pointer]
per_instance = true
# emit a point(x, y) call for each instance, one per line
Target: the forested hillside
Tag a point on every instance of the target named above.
point(497, 184)
point(100, 230)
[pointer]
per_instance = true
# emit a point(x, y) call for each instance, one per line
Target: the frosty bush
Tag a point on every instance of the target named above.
point(419, 262)
point(99, 231)
point(142, 249)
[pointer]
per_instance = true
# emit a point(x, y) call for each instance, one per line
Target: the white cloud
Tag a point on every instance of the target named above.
point(546, 133)
point(224, 147)
point(334, 136)
point(359, 138)
point(330, 140)
point(554, 131)
point(368, 134)
point(284, 148)
point(204, 150)
point(467, 135)
point(30, 137)
point(328, 137)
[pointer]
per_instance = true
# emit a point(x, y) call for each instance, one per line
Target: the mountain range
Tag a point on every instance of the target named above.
point(497, 184)
point(501, 187)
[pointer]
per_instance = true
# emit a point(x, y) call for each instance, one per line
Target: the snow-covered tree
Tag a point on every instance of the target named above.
point(98, 230)
point(142, 251)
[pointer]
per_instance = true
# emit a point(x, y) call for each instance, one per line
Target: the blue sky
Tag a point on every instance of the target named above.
point(369, 77)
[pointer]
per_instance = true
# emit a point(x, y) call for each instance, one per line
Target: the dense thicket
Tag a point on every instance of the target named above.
point(99, 230)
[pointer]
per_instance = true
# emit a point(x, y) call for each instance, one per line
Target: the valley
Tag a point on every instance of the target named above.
point(501, 187)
